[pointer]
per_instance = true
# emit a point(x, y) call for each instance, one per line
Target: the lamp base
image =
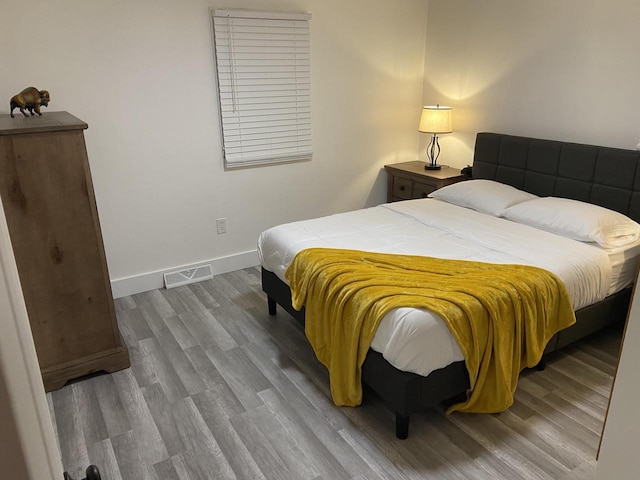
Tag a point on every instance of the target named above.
point(432, 167)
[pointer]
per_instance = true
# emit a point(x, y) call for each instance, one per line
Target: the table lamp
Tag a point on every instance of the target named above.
point(435, 120)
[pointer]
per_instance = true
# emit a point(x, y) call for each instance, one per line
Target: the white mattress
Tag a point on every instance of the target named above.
point(417, 340)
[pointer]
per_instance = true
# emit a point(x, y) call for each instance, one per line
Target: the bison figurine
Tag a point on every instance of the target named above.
point(30, 98)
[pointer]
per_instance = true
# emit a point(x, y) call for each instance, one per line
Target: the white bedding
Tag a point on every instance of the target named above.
point(417, 340)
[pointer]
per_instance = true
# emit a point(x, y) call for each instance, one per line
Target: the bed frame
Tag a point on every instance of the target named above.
point(603, 176)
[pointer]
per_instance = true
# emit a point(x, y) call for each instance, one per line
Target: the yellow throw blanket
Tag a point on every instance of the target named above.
point(501, 315)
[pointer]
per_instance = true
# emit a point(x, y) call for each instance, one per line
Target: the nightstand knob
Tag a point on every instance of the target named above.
point(401, 188)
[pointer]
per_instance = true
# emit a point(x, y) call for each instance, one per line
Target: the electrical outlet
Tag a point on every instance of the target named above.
point(221, 225)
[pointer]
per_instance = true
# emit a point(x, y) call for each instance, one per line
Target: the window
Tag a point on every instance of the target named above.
point(264, 84)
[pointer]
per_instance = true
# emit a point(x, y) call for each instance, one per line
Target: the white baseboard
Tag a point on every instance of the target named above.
point(121, 287)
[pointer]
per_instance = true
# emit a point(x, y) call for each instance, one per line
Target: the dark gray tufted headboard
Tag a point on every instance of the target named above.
point(605, 176)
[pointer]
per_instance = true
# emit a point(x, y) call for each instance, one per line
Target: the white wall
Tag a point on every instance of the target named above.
point(621, 438)
point(140, 73)
point(565, 70)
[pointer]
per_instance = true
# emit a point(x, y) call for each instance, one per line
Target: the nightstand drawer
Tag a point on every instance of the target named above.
point(422, 190)
point(402, 188)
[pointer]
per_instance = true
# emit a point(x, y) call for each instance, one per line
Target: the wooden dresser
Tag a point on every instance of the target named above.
point(48, 199)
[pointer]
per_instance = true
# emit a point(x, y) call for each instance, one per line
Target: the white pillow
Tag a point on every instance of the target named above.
point(577, 220)
point(485, 196)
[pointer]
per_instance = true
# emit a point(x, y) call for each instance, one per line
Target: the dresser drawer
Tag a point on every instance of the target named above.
point(402, 188)
point(422, 190)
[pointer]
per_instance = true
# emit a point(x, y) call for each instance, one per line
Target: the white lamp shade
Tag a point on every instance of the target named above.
point(436, 120)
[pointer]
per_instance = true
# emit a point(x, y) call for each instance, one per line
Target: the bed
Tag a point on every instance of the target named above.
point(597, 175)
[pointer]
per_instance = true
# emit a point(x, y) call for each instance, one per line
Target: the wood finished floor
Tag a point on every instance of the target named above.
point(218, 389)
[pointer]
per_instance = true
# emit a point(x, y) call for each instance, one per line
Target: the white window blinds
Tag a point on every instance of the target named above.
point(264, 82)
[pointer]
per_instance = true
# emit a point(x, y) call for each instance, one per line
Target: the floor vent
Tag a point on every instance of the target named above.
point(184, 277)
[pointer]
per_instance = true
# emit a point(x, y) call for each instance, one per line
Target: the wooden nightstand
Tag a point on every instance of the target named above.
point(409, 180)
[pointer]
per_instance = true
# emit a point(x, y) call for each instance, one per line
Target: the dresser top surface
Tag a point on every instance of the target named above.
point(417, 167)
point(48, 122)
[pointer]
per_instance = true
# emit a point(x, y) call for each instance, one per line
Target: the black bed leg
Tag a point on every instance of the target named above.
point(272, 305)
point(541, 365)
point(402, 426)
